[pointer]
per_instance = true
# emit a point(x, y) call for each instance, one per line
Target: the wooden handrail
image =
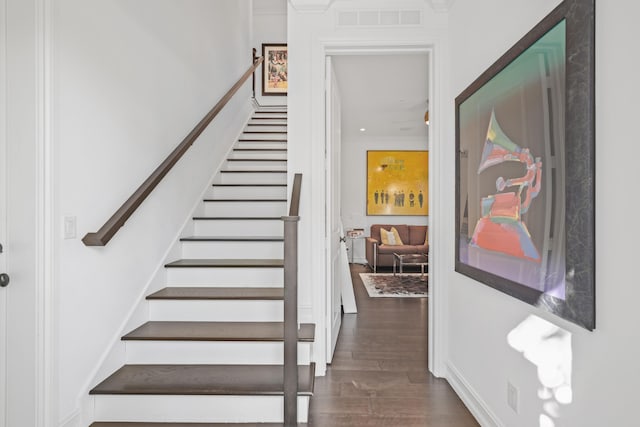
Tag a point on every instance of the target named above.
point(291, 306)
point(117, 220)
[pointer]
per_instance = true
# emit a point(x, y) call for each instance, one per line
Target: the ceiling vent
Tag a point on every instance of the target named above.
point(379, 18)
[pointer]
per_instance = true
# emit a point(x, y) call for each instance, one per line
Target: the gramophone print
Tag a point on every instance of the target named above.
point(500, 227)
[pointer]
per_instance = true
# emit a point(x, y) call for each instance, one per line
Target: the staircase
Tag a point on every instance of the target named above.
point(212, 352)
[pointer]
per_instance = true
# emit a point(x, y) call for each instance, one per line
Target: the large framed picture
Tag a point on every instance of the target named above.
point(397, 182)
point(274, 69)
point(525, 168)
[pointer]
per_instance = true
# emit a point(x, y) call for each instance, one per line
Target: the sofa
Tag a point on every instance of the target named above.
point(414, 241)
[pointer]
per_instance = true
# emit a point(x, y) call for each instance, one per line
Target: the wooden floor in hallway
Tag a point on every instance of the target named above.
point(379, 375)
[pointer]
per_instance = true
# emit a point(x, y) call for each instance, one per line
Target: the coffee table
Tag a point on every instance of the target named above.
point(410, 259)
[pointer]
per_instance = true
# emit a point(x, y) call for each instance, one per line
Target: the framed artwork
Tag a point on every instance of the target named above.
point(397, 182)
point(525, 160)
point(274, 69)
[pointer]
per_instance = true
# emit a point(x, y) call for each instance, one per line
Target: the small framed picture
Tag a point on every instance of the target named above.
point(274, 69)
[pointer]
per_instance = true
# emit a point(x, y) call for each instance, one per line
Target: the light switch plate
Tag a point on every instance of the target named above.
point(69, 227)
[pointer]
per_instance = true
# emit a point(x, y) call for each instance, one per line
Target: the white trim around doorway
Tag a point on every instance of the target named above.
point(46, 385)
point(437, 302)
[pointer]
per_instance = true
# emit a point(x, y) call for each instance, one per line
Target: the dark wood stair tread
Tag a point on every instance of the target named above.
point(248, 185)
point(241, 218)
point(264, 131)
point(217, 293)
point(232, 239)
point(143, 424)
point(262, 140)
point(260, 149)
point(245, 200)
point(216, 331)
point(248, 159)
point(267, 124)
point(226, 263)
point(227, 380)
point(253, 171)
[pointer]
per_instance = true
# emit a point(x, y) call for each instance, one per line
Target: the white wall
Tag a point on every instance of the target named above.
point(605, 370)
point(269, 26)
point(354, 185)
point(130, 80)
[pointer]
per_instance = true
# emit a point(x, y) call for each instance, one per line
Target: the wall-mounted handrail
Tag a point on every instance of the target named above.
point(291, 306)
point(117, 220)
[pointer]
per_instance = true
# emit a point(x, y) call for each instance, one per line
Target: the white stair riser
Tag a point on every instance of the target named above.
point(212, 352)
point(239, 228)
point(251, 178)
point(233, 250)
point(228, 409)
point(263, 136)
point(216, 310)
point(276, 165)
point(261, 145)
point(210, 276)
point(263, 154)
point(245, 208)
point(247, 192)
point(255, 126)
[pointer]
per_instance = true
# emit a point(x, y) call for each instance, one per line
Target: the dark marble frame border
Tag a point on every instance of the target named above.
point(579, 305)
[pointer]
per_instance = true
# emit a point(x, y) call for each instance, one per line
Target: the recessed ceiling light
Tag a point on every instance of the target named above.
point(362, 129)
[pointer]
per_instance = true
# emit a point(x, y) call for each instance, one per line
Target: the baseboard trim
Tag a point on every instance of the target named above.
point(472, 400)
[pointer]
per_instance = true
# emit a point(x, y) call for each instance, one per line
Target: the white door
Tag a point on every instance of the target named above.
point(335, 241)
point(21, 130)
point(3, 215)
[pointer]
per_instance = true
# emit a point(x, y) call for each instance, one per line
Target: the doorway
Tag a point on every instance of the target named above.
point(385, 93)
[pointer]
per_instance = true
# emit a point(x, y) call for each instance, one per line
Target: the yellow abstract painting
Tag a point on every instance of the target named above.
point(397, 182)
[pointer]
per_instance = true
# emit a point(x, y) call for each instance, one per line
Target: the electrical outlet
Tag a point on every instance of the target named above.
point(69, 227)
point(512, 397)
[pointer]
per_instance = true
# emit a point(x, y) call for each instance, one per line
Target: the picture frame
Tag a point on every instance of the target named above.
point(525, 168)
point(397, 182)
point(275, 79)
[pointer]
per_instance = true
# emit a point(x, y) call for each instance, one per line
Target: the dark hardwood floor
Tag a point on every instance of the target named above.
point(379, 375)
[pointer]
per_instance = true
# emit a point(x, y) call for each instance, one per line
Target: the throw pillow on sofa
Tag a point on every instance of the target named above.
point(391, 238)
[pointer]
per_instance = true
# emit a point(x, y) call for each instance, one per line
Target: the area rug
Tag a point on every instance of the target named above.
point(401, 285)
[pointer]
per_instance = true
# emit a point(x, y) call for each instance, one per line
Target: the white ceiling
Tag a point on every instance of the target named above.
point(385, 94)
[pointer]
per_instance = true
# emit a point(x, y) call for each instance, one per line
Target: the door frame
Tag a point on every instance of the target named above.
point(331, 172)
point(35, 19)
point(436, 69)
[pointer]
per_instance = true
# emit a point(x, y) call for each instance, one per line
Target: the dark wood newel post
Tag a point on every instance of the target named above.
point(291, 307)
point(290, 321)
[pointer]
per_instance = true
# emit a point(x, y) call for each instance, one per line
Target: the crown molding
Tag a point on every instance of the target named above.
point(311, 5)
